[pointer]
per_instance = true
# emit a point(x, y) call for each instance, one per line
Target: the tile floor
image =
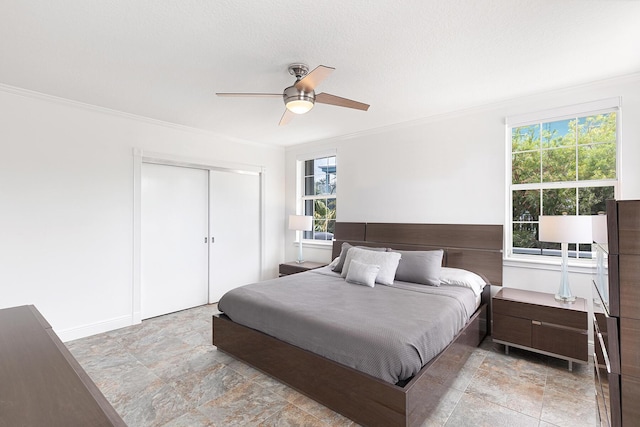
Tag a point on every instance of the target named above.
point(165, 372)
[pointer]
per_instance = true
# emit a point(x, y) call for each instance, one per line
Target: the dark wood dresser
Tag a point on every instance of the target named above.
point(616, 289)
point(41, 384)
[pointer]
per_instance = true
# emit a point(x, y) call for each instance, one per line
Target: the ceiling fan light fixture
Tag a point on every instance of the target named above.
point(299, 106)
point(298, 101)
point(301, 96)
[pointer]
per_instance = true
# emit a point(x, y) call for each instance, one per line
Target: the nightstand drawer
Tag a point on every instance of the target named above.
point(567, 342)
point(511, 329)
point(554, 315)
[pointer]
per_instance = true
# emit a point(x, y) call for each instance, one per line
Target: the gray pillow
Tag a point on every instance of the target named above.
point(388, 262)
point(422, 267)
point(343, 254)
point(362, 274)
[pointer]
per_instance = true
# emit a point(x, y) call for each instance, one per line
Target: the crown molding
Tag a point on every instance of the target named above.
point(627, 78)
point(121, 114)
point(368, 132)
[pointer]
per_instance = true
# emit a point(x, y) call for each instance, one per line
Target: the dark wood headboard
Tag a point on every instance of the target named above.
point(477, 248)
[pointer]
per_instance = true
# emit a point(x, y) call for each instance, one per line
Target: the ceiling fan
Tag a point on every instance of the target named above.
point(301, 97)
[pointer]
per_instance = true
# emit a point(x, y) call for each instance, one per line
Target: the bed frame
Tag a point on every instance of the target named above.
point(365, 399)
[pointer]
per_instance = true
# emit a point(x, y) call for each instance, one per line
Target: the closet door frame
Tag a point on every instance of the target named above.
point(139, 157)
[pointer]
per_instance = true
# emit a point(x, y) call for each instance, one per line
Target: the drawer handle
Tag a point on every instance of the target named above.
point(535, 322)
point(603, 347)
point(605, 356)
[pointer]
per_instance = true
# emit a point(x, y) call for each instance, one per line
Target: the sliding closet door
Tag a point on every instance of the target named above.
point(174, 225)
point(235, 231)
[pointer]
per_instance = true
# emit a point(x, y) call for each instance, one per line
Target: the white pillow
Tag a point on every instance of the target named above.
point(334, 262)
point(362, 274)
point(460, 277)
point(388, 262)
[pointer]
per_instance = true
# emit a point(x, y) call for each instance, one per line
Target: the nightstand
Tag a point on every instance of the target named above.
point(535, 321)
point(294, 267)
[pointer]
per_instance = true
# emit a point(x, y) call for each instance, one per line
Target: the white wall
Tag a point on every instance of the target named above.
point(66, 205)
point(66, 191)
point(451, 169)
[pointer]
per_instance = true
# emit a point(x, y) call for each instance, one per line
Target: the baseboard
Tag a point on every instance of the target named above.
point(137, 317)
point(95, 328)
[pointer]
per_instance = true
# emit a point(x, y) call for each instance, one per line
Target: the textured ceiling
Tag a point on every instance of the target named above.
point(409, 59)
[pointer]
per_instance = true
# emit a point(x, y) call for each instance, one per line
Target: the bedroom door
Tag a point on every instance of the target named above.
point(174, 248)
point(235, 252)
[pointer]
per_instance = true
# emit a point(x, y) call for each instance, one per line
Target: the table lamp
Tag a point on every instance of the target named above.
point(300, 223)
point(565, 229)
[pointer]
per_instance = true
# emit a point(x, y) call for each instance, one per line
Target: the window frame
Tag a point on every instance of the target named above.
point(301, 197)
point(552, 115)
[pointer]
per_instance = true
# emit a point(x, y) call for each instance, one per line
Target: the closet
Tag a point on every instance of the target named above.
point(200, 234)
point(175, 221)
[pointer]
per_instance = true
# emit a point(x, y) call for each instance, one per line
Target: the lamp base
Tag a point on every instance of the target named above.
point(564, 293)
point(300, 259)
point(569, 299)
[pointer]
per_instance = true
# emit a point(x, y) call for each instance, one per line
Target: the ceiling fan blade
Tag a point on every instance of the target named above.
point(247, 95)
point(286, 117)
point(314, 78)
point(326, 98)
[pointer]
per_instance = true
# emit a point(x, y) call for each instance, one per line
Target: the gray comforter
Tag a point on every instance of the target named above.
point(388, 332)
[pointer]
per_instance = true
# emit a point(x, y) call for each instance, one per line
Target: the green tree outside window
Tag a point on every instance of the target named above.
point(567, 165)
point(320, 199)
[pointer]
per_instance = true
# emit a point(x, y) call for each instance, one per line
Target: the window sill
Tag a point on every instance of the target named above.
point(585, 266)
point(319, 244)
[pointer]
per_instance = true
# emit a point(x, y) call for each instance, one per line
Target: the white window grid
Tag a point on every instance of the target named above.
point(303, 198)
point(571, 112)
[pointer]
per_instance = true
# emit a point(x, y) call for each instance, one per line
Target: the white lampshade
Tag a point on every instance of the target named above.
point(599, 228)
point(300, 222)
point(565, 228)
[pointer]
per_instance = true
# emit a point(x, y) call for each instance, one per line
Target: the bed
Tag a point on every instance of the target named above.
point(365, 395)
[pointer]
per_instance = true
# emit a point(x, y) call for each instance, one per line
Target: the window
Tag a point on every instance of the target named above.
point(319, 196)
point(563, 164)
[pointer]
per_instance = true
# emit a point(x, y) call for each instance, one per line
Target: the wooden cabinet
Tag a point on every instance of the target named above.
point(630, 397)
point(535, 321)
point(607, 367)
point(295, 267)
point(617, 317)
point(41, 384)
point(629, 271)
